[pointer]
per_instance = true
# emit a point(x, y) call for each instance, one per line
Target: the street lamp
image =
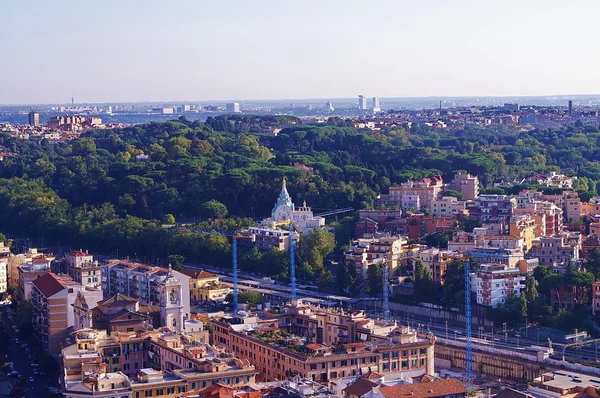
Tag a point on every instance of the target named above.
point(446, 330)
point(480, 332)
point(505, 333)
point(518, 336)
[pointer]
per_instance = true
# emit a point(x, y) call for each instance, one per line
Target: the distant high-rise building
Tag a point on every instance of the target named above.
point(376, 107)
point(34, 118)
point(232, 107)
point(570, 108)
point(362, 102)
point(329, 106)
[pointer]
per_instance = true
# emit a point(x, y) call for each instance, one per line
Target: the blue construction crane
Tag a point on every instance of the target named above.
point(469, 350)
point(292, 263)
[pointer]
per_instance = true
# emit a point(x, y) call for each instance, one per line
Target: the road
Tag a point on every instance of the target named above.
point(22, 363)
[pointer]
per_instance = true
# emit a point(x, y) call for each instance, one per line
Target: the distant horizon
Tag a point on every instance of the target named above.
point(150, 51)
point(306, 99)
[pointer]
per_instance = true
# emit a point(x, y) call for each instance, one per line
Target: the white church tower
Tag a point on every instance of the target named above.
point(171, 302)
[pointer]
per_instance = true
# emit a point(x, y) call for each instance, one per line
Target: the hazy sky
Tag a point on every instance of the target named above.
point(145, 50)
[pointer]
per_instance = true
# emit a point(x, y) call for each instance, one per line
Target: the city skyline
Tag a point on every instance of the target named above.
point(144, 51)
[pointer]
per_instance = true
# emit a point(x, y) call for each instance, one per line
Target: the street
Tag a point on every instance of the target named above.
point(23, 364)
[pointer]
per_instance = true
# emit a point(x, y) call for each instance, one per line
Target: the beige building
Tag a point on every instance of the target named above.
point(557, 249)
point(421, 192)
point(367, 251)
point(29, 272)
point(447, 206)
point(205, 286)
point(523, 227)
point(52, 299)
point(147, 364)
point(465, 184)
point(15, 261)
point(279, 355)
point(572, 206)
point(436, 261)
point(82, 267)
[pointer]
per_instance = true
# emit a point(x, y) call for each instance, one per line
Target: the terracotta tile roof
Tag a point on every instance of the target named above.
point(355, 345)
point(40, 260)
point(373, 375)
point(424, 378)
point(48, 284)
point(431, 389)
point(78, 253)
point(510, 393)
point(360, 387)
point(117, 299)
point(197, 273)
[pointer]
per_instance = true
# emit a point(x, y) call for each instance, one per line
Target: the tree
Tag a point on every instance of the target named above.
point(214, 209)
point(469, 223)
point(532, 293)
point(176, 261)
point(540, 272)
point(522, 306)
point(453, 193)
point(314, 248)
point(251, 297)
point(169, 219)
point(375, 280)
point(424, 287)
point(325, 280)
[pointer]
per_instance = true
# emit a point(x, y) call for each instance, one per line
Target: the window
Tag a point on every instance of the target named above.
point(386, 355)
point(395, 354)
point(170, 390)
point(148, 393)
point(386, 366)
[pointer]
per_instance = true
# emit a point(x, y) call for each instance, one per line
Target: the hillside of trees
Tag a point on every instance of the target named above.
point(92, 192)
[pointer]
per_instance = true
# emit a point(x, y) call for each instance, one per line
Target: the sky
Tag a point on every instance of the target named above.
point(146, 50)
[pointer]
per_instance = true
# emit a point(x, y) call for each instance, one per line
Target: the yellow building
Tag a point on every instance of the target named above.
point(205, 286)
point(523, 227)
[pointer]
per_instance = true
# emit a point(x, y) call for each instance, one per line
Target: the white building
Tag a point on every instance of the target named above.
point(233, 107)
point(285, 212)
point(494, 283)
point(362, 102)
point(376, 107)
point(150, 285)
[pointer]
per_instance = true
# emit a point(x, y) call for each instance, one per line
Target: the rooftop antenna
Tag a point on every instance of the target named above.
point(72, 101)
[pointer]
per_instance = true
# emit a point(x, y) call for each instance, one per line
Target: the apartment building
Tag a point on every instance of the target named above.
point(495, 283)
point(148, 364)
point(400, 350)
point(466, 184)
point(414, 194)
point(548, 216)
point(493, 208)
point(4, 258)
point(496, 255)
point(52, 299)
point(523, 227)
point(557, 249)
point(571, 206)
point(14, 261)
point(29, 272)
point(596, 297)
point(118, 313)
point(446, 206)
point(436, 261)
point(82, 267)
point(374, 221)
point(265, 238)
point(166, 288)
point(205, 286)
point(367, 251)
